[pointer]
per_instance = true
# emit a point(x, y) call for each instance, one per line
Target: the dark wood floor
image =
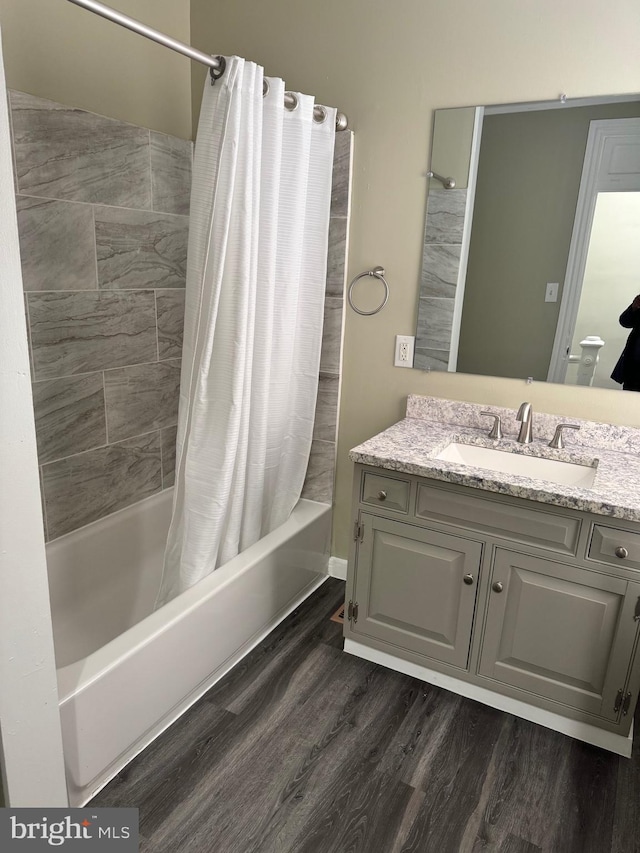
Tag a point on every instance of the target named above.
point(305, 749)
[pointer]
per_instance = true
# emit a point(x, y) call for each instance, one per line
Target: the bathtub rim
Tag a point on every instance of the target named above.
point(76, 677)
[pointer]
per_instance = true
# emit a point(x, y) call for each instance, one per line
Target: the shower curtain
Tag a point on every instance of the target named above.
point(256, 271)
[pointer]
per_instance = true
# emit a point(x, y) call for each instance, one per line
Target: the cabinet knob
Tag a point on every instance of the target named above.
point(382, 496)
point(621, 552)
point(497, 587)
point(468, 579)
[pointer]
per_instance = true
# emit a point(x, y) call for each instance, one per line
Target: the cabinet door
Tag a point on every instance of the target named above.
point(411, 588)
point(559, 631)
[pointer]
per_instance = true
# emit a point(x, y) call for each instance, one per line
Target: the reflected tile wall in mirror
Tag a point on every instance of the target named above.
point(439, 281)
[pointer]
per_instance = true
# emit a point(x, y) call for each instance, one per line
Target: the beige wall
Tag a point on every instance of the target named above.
point(388, 66)
point(56, 50)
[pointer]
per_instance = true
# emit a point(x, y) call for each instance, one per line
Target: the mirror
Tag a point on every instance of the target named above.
point(536, 250)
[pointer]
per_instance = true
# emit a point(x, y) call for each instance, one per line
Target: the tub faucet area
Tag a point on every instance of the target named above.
point(525, 415)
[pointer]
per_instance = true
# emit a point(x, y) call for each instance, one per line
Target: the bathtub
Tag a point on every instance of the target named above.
point(125, 673)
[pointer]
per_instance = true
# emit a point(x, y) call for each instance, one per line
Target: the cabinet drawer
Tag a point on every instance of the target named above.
point(605, 541)
point(386, 492)
point(544, 529)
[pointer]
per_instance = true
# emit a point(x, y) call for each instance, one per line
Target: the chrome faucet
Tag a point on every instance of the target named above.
point(525, 414)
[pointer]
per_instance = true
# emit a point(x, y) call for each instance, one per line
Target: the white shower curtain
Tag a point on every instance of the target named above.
point(256, 271)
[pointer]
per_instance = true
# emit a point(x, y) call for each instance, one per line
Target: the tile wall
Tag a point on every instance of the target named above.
point(103, 222)
point(440, 264)
point(320, 477)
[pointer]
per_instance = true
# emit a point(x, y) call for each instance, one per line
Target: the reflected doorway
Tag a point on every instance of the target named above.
point(611, 281)
point(603, 258)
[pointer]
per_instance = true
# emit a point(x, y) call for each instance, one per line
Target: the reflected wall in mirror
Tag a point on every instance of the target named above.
point(538, 246)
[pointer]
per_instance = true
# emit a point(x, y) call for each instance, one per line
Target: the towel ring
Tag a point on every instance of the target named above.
point(376, 272)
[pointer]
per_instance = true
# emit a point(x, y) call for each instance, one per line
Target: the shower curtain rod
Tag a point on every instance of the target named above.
point(148, 32)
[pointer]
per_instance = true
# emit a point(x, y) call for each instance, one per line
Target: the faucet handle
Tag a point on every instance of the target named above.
point(556, 442)
point(496, 429)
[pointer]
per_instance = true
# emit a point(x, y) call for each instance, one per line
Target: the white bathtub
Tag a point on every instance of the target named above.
point(125, 673)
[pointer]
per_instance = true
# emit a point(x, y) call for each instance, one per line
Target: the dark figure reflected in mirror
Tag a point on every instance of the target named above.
point(627, 370)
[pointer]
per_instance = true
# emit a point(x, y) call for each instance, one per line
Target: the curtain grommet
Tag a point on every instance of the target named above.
point(319, 114)
point(291, 101)
point(216, 73)
point(266, 87)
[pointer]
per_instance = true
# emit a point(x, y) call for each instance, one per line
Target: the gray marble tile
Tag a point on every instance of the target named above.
point(170, 173)
point(318, 484)
point(71, 154)
point(140, 249)
point(326, 417)
point(170, 314)
point(57, 244)
point(84, 332)
point(440, 265)
point(168, 440)
point(331, 335)
point(13, 159)
point(69, 416)
point(44, 512)
point(431, 359)
point(341, 173)
point(445, 215)
point(336, 257)
point(28, 325)
point(83, 488)
point(141, 398)
point(435, 320)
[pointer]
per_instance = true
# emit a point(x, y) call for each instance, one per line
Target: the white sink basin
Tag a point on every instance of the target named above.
point(561, 473)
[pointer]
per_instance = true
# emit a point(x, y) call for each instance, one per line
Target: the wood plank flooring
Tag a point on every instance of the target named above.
point(304, 749)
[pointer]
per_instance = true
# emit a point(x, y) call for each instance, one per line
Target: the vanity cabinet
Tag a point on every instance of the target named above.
point(557, 631)
point(502, 599)
point(417, 588)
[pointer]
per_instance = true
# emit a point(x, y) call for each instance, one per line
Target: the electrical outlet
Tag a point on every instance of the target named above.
point(404, 351)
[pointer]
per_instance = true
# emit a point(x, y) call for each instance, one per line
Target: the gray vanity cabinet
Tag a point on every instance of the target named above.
point(531, 607)
point(417, 588)
point(559, 631)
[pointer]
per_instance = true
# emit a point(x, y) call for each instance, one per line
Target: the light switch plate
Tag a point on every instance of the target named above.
point(551, 293)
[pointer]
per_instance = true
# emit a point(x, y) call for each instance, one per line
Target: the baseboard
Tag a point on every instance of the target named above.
point(337, 568)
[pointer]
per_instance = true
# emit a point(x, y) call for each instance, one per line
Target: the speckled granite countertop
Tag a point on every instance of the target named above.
point(411, 446)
